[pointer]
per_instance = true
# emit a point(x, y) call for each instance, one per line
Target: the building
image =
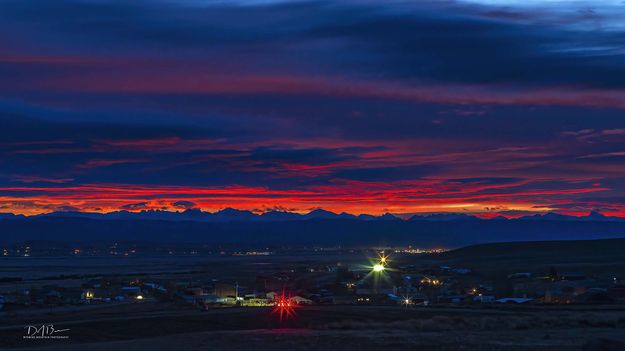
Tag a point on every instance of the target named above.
point(226, 290)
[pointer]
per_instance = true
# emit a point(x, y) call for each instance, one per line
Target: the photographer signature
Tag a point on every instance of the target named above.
point(44, 331)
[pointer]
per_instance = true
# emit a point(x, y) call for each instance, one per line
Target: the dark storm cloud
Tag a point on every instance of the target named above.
point(268, 116)
point(428, 41)
point(87, 152)
point(135, 206)
point(393, 173)
point(184, 204)
point(67, 209)
point(469, 49)
point(308, 155)
point(20, 124)
point(157, 23)
point(490, 180)
point(432, 41)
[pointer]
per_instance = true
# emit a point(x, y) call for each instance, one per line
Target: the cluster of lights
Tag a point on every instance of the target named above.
point(411, 250)
point(252, 253)
point(25, 252)
point(431, 281)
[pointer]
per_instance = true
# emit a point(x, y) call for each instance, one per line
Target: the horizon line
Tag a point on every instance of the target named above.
point(402, 216)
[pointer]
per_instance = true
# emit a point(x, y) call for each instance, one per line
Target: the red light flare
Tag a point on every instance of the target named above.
point(284, 307)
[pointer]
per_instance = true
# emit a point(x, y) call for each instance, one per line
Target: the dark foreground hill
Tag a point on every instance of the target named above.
point(574, 248)
point(452, 233)
point(588, 256)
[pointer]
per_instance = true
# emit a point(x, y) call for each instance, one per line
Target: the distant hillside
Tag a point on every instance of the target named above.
point(580, 255)
point(314, 231)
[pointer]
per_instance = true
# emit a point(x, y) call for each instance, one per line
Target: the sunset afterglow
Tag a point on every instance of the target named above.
point(339, 114)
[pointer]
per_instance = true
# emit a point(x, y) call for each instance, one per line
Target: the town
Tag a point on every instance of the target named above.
point(328, 276)
point(532, 293)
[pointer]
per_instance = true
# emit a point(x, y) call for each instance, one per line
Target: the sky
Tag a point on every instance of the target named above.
point(484, 107)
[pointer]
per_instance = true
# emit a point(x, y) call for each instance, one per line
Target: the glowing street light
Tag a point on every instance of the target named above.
point(378, 267)
point(382, 257)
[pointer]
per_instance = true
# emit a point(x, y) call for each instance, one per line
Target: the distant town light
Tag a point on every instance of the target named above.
point(139, 297)
point(378, 267)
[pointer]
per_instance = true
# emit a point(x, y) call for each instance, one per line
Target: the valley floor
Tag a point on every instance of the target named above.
point(140, 327)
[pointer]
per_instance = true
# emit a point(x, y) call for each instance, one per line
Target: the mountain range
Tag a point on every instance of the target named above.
point(234, 215)
point(319, 227)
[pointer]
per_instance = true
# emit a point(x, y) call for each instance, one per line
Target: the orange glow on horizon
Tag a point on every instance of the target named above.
point(403, 198)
